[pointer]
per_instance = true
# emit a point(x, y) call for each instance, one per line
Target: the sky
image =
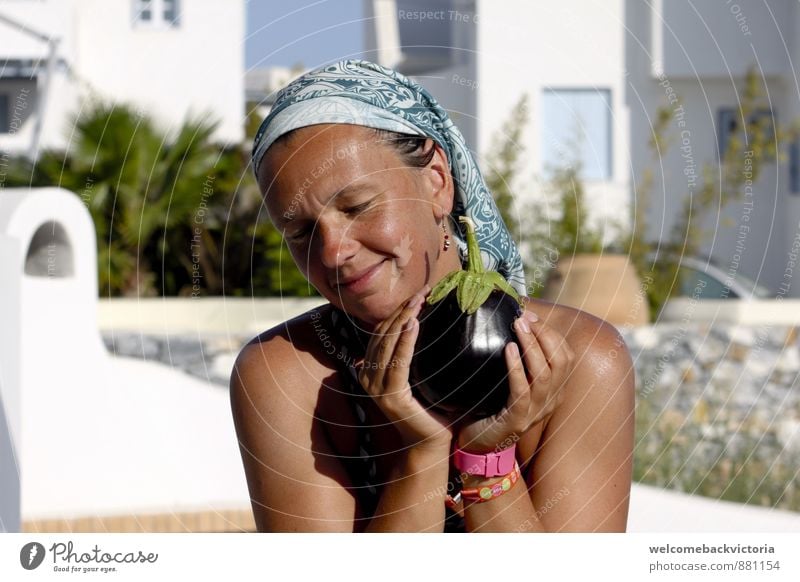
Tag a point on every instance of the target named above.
point(311, 32)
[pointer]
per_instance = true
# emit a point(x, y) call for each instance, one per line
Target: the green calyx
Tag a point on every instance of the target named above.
point(474, 285)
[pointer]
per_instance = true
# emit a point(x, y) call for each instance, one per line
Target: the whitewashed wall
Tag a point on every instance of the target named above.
point(196, 68)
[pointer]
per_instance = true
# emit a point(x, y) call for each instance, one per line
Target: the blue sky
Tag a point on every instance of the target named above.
point(308, 31)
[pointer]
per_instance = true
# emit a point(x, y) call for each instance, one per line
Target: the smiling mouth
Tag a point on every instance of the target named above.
point(360, 282)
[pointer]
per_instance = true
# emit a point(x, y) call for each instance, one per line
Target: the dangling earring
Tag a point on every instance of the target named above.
point(446, 237)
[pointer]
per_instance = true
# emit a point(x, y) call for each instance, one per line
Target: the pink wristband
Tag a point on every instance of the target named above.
point(485, 465)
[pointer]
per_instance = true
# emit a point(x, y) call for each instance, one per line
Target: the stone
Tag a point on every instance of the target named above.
point(726, 374)
point(645, 337)
point(760, 363)
point(741, 335)
point(223, 344)
point(788, 434)
point(738, 352)
point(182, 350)
point(133, 345)
point(708, 350)
point(788, 360)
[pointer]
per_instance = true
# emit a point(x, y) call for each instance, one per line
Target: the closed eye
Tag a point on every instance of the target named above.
point(296, 237)
point(357, 209)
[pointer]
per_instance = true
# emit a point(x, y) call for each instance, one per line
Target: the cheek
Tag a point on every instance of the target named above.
point(399, 235)
point(303, 262)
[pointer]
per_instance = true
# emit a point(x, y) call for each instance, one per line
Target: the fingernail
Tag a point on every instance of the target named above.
point(531, 316)
point(523, 325)
point(409, 324)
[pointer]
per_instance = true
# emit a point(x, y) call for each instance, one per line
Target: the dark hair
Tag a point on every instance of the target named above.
point(411, 148)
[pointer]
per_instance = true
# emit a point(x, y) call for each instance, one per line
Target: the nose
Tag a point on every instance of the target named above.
point(336, 244)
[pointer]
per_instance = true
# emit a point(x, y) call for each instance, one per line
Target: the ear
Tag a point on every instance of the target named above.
point(439, 182)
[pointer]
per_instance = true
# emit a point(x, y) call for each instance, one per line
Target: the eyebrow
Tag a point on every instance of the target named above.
point(353, 189)
point(350, 189)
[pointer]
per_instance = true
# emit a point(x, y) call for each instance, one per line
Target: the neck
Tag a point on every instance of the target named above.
point(447, 263)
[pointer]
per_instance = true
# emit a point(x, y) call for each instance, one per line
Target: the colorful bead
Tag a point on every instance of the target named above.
point(487, 492)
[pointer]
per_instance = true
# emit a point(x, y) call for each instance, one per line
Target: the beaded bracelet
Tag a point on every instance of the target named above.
point(486, 492)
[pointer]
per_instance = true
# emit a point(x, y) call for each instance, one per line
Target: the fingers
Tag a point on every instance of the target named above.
point(396, 376)
point(534, 357)
point(556, 350)
point(519, 396)
point(547, 358)
point(390, 350)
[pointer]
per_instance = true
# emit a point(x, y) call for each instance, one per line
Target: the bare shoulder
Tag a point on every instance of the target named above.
point(589, 336)
point(586, 445)
point(289, 354)
point(284, 399)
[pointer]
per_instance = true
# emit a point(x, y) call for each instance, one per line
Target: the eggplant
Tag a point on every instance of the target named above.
point(458, 367)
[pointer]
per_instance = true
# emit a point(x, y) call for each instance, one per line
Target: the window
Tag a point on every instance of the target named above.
point(156, 13)
point(576, 128)
point(729, 120)
point(170, 11)
point(5, 125)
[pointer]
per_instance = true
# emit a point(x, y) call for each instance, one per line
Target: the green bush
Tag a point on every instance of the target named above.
point(175, 214)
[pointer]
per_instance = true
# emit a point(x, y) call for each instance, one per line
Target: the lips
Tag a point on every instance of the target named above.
point(360, 278)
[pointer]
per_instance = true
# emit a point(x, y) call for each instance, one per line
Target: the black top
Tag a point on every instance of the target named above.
point(352, 343)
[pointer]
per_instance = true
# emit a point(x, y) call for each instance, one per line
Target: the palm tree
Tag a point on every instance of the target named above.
point(174, 214)
point(137, 183)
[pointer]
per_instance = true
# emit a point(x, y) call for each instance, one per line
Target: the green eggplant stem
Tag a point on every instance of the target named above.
point(474, 262)
point(474, 285)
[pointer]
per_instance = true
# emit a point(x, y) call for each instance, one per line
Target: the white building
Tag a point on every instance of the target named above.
point(595, 72)
point(169, 58)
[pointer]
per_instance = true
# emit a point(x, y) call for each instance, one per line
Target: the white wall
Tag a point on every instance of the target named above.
point(10, 366)
point(526, 47)
point(757, 247)
point(719, 39)
point(202, 315)
point(196, 68)
point(54, 18)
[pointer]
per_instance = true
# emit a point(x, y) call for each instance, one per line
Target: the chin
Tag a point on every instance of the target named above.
point(370, 310)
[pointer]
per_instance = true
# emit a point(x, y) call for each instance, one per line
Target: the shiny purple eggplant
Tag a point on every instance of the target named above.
point(458, 366)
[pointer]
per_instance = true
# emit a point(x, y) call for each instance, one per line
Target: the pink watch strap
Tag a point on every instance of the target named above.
point(486, 465)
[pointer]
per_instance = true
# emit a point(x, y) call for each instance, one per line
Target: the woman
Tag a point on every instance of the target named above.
point(365, 175)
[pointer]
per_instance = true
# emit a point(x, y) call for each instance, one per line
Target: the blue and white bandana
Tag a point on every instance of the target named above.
point(362, 93)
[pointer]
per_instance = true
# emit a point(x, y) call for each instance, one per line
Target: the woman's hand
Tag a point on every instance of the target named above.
point(535, 380)
point(384, 376)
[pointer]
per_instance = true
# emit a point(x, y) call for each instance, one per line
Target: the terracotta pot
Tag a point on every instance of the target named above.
point(604, 285)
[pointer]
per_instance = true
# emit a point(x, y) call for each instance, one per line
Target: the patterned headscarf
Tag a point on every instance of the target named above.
point(362, 93)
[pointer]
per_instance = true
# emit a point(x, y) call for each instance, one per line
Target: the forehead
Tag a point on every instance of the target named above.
point(322, 159)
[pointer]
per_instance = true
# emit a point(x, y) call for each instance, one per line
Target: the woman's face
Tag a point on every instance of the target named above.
point(364, 228)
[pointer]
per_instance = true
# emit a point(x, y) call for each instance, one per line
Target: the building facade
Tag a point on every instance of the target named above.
point(168, 58)
point(595, 74)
